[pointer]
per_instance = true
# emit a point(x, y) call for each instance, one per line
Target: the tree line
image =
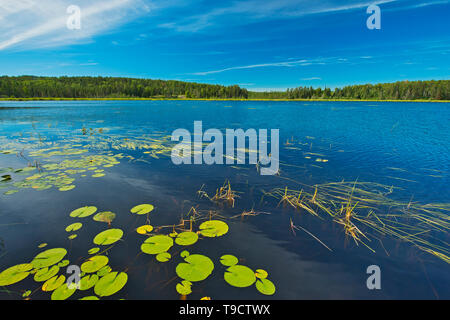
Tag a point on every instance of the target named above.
point(109, 87)
point(403, 90)
point(106, 87)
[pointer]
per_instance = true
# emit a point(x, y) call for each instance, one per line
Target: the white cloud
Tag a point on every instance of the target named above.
point(286, 64)
point(253, 10)
point(42, 23)
point(311, 79)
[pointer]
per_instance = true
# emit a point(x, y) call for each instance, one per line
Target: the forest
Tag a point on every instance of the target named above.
point(109, 87)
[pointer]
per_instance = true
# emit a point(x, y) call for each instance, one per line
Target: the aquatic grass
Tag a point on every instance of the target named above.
point(365, 205)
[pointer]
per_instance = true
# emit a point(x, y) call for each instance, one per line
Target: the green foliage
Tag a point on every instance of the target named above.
point(404, 90)
point(105, 87)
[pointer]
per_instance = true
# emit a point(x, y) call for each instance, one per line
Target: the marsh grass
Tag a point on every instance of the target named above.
point(365, 212)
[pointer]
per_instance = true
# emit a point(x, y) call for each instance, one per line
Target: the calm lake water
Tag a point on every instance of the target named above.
point(400, 151)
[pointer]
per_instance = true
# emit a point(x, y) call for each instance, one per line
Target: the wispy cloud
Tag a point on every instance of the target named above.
point(42, 23)
point(245, 11)
point(285, 64)
point(311, 79)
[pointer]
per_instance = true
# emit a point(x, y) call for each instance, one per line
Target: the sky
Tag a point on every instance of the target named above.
point(257, 44)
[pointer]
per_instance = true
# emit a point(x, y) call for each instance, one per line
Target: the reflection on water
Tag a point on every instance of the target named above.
point(359, 185)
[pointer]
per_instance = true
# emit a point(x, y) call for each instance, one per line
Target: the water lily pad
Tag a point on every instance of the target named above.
point(104, 271)
point(142, 209)
point(195, 268)
point(88, 282)
point(163, 257)
point(240, 276)
point(63, 263)
point(94, 250)
point(94, 264)
point(7, 193)
point(15, 274)
point(63, 292)
point(74, 227)
point(213, 228)
point(110, 284)
point(229, 260)
point(53, 283)
point(42, 245)
point(67, 188)
point(26, 294)
point(90, 298)
point(48, 258)
point(45, 273)
point(105, 216)
point(186, 238)
point(144, 229)
point(184, 288)
point(72, 236)
point(261, 274)
point(157, 244)
point(108, 237)
point(98, 175)
point(83, 212)
point(265, 286)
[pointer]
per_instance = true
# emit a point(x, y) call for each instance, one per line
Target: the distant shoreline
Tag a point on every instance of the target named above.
point(214, 99)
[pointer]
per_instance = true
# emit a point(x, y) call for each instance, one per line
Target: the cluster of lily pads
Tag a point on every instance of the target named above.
point(95, 271)
point(59, 174)
point(97, 274)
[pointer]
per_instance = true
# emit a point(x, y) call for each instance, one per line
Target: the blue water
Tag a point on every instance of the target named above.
point(405, 145)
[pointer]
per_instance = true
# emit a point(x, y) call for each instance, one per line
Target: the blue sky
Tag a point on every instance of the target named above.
point(258, 44)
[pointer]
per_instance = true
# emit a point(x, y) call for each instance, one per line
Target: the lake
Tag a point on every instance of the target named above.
point(360, 184)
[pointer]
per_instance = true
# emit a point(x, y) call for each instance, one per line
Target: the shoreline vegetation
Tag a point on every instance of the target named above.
point(216, 99)
point(33, 88)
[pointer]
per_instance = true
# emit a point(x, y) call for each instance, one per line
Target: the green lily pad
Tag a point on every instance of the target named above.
point(94, 264)
point(265, 286)
point(72, 236)
point(110, 284)
point(48, 258)
point(7, 193)
point(88, 282)
point(104, 271)
point(184, 288)
point(163, 257)
point(157, 244)
point(26, 294)
point(94, 250)
point(83, 212)
point(63, 263)
point(98, 175)
point(105, 216)
point(15, 274)
point(213, 228)
point(53, 283)
point(144, 229)
point(74, 227)
point(195, 268)
point(186, 238)
point(142, 209)
point(45, 273)
point(67, 188)
point(63, 292)
point(108, 237)
point(42, 245)
point(90, 298)
point(261, 274)
point(240, 276)
point(229, 260)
